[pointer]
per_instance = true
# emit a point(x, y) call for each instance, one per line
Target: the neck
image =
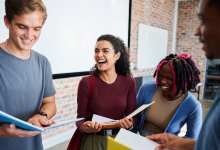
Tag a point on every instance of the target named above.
point(19, 53)
point(171, 98)
point(108, 77)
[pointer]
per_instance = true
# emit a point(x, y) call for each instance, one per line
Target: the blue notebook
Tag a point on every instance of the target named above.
point(6, 118)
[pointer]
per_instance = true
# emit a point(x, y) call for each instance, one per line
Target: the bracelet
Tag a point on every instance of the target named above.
point(42, 113)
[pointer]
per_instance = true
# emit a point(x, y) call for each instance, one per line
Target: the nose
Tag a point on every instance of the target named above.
point(163, 81)
point(99, 54)
point(198, 31)
point(29, 33)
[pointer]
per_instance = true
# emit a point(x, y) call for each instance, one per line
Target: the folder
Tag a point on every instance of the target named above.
point(135, 141)
point(6, 118)
point(114, 145)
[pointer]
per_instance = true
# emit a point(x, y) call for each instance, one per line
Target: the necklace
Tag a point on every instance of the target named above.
point(6, 47)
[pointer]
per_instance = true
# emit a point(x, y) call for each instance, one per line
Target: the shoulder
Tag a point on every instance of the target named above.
point(149, 85)
point(39, 57)
point(85, 80)
point(192, 100)
point(126, 79)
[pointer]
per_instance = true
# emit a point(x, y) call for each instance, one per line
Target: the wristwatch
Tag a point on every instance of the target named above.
point(42, 113)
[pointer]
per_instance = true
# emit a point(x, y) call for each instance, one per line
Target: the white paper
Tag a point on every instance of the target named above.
point(101, 119)
point(139, 109)
point(62, 123)
point(135, 141)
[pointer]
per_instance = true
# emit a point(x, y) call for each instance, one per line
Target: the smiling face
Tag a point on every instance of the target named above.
point(105, 56)
point(209, 29)
point(24, 30)
point(166, 80)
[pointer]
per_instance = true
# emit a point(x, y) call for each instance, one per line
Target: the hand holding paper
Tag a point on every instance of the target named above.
point(111, 123)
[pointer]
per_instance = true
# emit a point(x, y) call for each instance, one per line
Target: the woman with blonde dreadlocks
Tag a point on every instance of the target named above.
point(174, 104)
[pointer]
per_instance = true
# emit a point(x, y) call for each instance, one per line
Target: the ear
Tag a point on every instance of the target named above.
point(117, 55)
point(7, 22)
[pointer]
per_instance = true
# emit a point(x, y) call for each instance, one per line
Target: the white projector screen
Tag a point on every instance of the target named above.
point(69, 35)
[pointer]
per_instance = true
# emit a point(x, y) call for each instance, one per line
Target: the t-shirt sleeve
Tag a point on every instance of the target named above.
point(49, 89)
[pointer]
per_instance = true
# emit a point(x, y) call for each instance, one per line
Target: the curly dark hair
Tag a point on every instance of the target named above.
point(184, 71)
point(215, 3)
point(122, 66)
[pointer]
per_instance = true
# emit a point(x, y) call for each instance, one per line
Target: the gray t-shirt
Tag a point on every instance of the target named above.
point(23, 85)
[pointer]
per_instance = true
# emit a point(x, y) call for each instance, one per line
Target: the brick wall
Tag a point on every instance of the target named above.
point(186, 40)
point(158, 13)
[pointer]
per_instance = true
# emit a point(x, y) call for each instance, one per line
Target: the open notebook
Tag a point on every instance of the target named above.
point(6, 118)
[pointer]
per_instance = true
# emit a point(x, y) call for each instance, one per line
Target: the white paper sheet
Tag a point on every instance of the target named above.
point(62, 123)
point(135, 141)
point(101, 119)
point(139, 109)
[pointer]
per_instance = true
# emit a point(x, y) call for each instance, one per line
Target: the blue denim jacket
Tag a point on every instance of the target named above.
point(189, 112)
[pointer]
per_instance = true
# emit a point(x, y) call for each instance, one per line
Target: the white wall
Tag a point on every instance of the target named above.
point(72, 27)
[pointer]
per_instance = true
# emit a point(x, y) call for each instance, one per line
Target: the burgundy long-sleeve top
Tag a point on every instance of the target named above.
point(114, 101)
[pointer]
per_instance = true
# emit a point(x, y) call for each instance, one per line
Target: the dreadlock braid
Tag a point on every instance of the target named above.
point(184, 71)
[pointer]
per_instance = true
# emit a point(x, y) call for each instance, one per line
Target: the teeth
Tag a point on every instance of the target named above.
point(27, 42)
point(101, 61)
point(165, 87)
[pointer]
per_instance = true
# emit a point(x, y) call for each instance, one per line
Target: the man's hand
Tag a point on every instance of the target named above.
point(172, 142)
point(10, 130)
point(40, 121)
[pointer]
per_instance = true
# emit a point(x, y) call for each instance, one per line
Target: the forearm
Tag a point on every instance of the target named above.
point(49, 106)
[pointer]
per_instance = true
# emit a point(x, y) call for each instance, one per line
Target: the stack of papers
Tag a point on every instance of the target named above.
point(6, 118)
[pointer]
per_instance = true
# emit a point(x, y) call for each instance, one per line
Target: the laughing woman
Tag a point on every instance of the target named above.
point(174, 104)
point(112, 95)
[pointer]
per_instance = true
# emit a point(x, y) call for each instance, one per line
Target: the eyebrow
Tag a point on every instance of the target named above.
point(20, 24)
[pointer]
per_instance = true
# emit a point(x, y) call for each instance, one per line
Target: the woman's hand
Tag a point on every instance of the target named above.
point(125, 123)
point(92, 127)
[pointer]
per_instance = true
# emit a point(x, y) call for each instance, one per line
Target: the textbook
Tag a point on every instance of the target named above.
point(111, 123)
point(6, 118)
